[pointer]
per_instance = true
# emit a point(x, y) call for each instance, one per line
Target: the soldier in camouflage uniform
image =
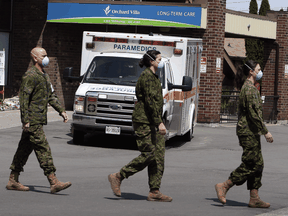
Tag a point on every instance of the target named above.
point(249, 128)
point(149, 130)
point(36, 92)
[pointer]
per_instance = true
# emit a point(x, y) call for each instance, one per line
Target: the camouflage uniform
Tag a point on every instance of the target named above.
point(146, 118)
point(35, 93)
point(249, 128)
point(149, 108)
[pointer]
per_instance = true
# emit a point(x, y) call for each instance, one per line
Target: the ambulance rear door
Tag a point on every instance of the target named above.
point(170, 115)
point(191, 71)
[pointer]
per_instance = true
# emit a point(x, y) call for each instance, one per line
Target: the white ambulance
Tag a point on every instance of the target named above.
point(105, 99)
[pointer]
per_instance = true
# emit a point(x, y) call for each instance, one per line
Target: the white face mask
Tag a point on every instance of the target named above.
point(45, 61)
point(259, 75)
point(161, 64)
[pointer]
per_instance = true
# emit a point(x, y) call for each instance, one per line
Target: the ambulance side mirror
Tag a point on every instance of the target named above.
point(67, 75)
point(186, 84)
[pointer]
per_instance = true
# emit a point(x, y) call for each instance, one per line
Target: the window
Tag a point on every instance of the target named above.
point(117, 71)
point(5, 15)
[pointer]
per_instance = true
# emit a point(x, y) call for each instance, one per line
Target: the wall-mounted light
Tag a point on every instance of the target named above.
point(249, 27)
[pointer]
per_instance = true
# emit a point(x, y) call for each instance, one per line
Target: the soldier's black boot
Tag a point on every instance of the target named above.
point(222, 189)
point(56, 185)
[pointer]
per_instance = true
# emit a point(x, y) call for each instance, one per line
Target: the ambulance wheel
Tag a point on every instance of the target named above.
point(166, 126)
point(189, 135)
point(78, 137)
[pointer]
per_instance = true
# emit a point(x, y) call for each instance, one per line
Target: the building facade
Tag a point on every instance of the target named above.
point(28, 27)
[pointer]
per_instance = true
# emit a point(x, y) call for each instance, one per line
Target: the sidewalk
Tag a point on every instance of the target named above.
point(280, 212)
point(11, 118)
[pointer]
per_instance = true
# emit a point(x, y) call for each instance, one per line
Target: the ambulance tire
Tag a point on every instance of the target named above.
point(189, 135)
point(78, 137)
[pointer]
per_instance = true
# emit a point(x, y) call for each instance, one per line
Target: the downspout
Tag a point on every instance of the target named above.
point(276, 96)
point(276, 69)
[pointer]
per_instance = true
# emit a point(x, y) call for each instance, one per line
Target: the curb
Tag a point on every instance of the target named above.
point(11, 118)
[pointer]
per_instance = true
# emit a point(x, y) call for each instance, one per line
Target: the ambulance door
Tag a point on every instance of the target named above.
point(169, 99)
point(196, 83)
point(191, 71)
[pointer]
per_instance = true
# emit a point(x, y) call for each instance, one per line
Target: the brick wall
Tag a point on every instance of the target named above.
point(282, 30)
point(29, 18)
point(211, 82)
point(268, 82)
point(62, 43)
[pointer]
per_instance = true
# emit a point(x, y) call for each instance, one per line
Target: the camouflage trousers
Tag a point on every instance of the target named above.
point(252, 165)
point(33, 139)
point(151, 144)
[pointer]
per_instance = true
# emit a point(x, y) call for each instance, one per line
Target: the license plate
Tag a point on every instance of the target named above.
point(113, 130)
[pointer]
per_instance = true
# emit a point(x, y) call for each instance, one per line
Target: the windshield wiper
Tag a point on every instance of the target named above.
point(102, 79)
point(129, 81)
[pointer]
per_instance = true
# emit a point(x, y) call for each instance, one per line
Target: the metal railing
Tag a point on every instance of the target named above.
point(270, 110)
point(229, 107)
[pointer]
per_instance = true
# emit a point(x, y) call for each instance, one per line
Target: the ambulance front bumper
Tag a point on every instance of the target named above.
point(90, 124)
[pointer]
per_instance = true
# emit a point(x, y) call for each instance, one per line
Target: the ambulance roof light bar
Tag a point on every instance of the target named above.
point(147, 42)
point(144, 42)
point(158, 43)
point(106, 39)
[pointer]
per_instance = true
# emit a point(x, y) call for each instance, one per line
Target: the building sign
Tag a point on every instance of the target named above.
point(286, 71)
point(203, 67)
point(2, 68)
point(145, 15)
point(218, 65)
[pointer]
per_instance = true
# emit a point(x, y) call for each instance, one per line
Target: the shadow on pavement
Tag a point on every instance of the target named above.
point(37, 189)
point(228, 203)
point(121, 142)
point(108, 141)
point(175, 142)
point(128, 196)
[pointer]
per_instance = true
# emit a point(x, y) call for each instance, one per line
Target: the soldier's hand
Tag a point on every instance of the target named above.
point(26, 126)
point(64, 116)
point(269, 137)
point(162, 129)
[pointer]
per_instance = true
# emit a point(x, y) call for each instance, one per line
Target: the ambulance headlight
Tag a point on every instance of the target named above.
point(79, 104)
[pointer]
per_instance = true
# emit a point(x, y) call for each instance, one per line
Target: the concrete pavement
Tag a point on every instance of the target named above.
point(191, 171)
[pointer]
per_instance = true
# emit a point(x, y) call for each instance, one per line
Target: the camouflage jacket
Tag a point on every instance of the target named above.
point(35, 93)
point(250, 116)
point(149, 107)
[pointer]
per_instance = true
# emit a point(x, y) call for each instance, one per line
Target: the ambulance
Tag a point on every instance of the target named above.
point(105, 98)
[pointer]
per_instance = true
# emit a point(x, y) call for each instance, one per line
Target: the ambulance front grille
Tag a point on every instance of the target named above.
point(114, 112)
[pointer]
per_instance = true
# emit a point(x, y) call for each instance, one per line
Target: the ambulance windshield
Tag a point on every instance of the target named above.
point(116, 71)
